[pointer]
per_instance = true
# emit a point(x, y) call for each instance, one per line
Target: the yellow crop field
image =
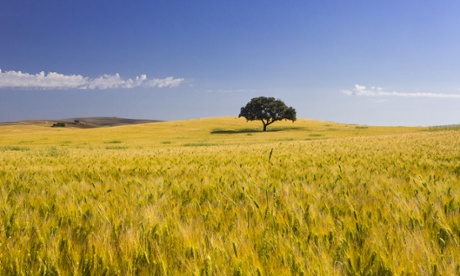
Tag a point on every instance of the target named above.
point(217, 196)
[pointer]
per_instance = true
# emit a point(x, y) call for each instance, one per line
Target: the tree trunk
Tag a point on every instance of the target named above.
point(265, 127)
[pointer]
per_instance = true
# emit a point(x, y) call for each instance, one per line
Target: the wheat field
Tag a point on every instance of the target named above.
point(217, 196)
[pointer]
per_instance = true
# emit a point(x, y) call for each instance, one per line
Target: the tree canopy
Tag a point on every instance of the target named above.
point(268, 110)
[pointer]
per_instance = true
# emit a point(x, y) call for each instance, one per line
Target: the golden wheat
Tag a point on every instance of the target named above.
point(215, 197)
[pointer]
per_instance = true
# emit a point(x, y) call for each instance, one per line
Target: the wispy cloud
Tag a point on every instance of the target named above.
point(52, 80)
point(231, 90)
point(373, 91)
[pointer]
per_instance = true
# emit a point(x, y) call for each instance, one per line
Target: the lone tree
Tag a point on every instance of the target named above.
point(268, 110)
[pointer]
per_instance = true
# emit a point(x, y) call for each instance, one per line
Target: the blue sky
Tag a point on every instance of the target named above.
point(363, 62)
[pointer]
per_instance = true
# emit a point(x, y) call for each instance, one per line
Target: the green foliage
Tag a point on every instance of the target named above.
point(268, 110)
point(58, 124)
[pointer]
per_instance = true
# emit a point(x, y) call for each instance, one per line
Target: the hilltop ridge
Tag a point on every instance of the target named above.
point(85, 122)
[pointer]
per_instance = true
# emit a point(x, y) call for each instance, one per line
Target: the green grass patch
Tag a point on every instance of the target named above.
point(14, 148)
point(455, 127)
point(116, 147)
point(235, 131)
point(199, 144)
point(254, 130)
point(286, 139)
point(113, 142)
point(53, 152)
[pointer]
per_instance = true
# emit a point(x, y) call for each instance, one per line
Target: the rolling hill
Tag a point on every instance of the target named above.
point(84, 122)
point(218, 196)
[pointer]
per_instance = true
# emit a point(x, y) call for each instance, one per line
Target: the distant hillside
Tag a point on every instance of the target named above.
point(87, 122)
point(444, 127)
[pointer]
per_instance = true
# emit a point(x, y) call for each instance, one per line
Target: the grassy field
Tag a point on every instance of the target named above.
point(219, 197)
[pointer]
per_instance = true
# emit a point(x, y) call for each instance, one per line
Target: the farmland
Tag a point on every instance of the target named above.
point(217, 196)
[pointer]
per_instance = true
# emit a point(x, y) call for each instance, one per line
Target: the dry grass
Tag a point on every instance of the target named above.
point(214, 197)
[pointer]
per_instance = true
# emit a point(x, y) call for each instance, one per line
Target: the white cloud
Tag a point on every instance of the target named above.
point(231, 90)
point(360, 90)
point(166, 82)
point(52, 80)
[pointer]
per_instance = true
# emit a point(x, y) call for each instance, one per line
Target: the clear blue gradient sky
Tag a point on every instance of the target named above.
point(363, 62)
